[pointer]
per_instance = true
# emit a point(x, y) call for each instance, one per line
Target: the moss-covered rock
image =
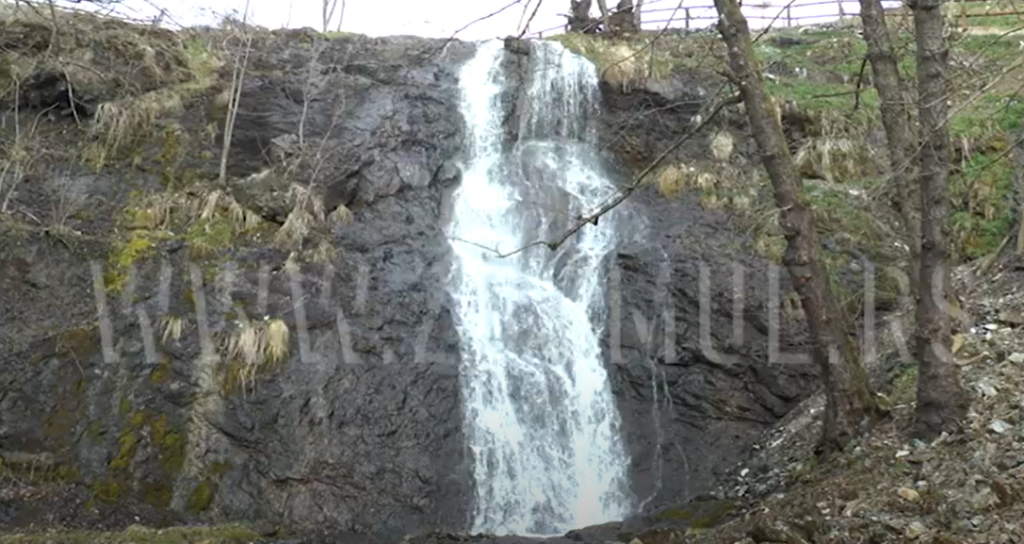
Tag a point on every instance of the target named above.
point(201, 497)
point(698, 515)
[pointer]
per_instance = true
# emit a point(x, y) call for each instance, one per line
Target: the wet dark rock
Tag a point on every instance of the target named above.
point(452, 538)
point(599, 534)
point(371, 446)
point(690, 408)
point(698, 514)
point(367, 442)
point(517, 46)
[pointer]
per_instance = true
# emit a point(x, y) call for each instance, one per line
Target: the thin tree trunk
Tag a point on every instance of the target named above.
point(850, 403)
point(941, 401)
point(327, 13)
point(237, 80)
point(602, 5)
point(341, 16)
point(1018, 188)
point(886, 77)
point(636, 15)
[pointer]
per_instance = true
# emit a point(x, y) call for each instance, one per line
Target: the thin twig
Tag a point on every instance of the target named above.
point(860, 81)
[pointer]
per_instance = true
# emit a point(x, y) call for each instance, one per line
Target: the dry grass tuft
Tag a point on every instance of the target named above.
point(831, 158)
point(342, 215)
point(244, 218)
point(291, 264)
point(161, 211)
point(172, 328)
point(672, 179)
point(307, 213)
point(256, 346)
point(277, 341)
point(722, 145)
point(122, 123)
point(719, 185)
point(325, 252)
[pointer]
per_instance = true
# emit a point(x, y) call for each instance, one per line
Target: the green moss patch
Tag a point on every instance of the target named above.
point(201, 497)
point(143, 428)
point(217, 534)
point(698, 515)
point(126, 253)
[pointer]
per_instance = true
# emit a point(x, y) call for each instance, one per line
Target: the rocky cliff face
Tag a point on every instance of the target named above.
point(361, 434)
point(692, 392)
point(142, 376)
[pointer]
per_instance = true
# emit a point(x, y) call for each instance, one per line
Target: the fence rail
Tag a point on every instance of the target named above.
point(793, 14)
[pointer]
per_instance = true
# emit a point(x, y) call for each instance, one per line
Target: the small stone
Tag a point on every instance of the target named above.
point(1005, 493)
point(991, 326)
point(908, 494)
point(744, 472)
point(914, 530)
point(902, 453)
point(987, 389)
point(963, 526)
point(636, 541)
point(1016, 358)
point(1012, 318)
point(999, 426)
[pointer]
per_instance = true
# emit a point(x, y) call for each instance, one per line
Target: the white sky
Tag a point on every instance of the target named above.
point(441, 18)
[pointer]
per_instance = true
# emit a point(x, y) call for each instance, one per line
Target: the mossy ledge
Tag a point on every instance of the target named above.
point(214, 534)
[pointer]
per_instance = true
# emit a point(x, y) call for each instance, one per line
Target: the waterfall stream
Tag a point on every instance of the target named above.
point(540, 417)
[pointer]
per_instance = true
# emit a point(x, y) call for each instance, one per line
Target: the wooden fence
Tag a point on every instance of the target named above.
point(793, 14)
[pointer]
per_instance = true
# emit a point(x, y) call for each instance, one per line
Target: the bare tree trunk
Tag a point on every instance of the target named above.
point(341, 16)
point(237, 79)
point(1018, 189)
point(637, 20)
point(886, 77)
point(602, 5)
point(941, 401)
point(327, 8)
point(850, 404)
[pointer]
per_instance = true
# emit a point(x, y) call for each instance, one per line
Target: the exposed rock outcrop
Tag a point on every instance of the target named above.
point(144, 401)
point(693, 395)
point(361, 434)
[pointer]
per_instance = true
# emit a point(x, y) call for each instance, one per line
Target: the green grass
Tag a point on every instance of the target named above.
point(984, 13)
point(818, 71)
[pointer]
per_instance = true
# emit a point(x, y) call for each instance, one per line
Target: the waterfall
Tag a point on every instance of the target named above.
point(540, 417)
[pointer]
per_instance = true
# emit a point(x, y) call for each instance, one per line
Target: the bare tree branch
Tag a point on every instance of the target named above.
point(614, 202)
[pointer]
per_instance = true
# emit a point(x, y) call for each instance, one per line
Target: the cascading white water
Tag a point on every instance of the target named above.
point(540, 417)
